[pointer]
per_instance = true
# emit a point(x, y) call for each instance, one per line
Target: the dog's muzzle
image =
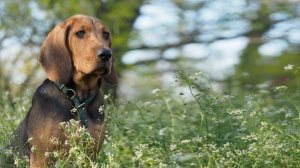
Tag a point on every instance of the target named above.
point(104, 54)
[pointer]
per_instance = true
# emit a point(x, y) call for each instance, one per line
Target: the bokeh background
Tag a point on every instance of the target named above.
point(245, 43)
point(203, 83)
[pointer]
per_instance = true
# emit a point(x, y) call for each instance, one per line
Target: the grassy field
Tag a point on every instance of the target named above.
point(185, 125)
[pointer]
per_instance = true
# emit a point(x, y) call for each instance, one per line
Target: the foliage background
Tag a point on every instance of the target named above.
point(242, 45)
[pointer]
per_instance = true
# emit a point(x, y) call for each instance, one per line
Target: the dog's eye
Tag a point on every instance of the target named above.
point(106, 35)
point(80, 33)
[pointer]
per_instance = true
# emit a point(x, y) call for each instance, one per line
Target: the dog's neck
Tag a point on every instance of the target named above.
point(85, 85)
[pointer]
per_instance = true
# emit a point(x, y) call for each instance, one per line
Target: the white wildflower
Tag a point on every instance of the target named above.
point(47, 154)
point(185, 141)
point(16, 162)
point(73, 111)
point(8, 151)
point(281, 88)
point(101, 109)
point(198, 73)
point(73, 150)
point(29, 140)
point(55, 154)
point(80, 159)
point(139, 154)
point(263, 124)
point(235, 112)
point(176, 156)
point(113, 145)
point(280, 146)
point(54, 141)
point(156, 92)
point(244, 123)
point(33, 148)
point(81, 130)
point(288, 115)
point(288, 67)
point(173, 146)
point(253, 113)
point(106, 97)
point(197, 139)
point(161, 132)
point(162, 165)
point(268, 162)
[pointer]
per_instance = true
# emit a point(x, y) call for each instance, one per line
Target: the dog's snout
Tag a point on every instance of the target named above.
point(104, 54)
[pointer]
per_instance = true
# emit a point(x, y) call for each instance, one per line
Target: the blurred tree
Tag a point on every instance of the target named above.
point(202, 23)
point(255, 67)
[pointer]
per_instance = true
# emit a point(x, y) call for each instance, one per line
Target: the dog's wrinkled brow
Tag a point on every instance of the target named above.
point(91, 20)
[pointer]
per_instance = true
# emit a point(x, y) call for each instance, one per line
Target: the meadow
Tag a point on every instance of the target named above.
point(187, 124)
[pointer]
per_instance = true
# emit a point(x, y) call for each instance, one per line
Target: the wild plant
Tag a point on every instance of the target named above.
point(193, 123)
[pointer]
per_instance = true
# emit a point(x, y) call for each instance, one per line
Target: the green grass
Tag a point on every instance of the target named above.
point(187, 124)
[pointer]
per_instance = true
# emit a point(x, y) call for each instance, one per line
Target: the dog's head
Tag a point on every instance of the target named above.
point(81, 44)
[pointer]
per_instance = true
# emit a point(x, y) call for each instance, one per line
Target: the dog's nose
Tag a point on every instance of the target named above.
point(104, 54)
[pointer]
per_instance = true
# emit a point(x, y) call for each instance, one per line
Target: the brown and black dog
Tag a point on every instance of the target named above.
point(76, 53)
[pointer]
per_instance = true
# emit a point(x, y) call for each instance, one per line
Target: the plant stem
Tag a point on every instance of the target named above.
point(200, 106)
point(172, 118)
point(287, 97)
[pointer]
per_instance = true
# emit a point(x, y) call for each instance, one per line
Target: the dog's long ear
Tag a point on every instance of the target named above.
point(112, 78)
point(55, 56)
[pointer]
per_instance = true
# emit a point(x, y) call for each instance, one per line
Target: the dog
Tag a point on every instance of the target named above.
point(75, 56)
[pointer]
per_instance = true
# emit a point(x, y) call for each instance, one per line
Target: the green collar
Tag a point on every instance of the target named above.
point(70, 93)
